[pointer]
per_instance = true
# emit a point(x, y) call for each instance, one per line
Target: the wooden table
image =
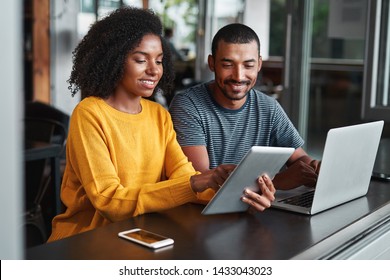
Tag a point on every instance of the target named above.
point(273, 234)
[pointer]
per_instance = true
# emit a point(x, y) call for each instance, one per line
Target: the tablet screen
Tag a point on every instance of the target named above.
point(258, 161)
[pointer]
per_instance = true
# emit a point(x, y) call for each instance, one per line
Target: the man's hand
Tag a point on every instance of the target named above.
point(297, 174)
point(262, 200)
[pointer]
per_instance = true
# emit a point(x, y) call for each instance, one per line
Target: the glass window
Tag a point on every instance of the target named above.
point(106, 6)
point(377, 68)
point(134, 3)
point(181, 17)
point(86, 17)
point(216, 13)
point(277, 28)
point(89, 12)
point(339, 29)
point(221, 13)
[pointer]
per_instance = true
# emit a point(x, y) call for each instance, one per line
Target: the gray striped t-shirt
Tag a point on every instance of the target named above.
point(229, 134)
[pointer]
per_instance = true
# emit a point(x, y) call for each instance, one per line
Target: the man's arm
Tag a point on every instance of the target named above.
point(301, 155)
point(298, 153)
point(198, 156)
point(302, 170)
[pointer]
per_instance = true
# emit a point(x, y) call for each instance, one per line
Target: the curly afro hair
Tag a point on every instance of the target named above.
point(99, 59)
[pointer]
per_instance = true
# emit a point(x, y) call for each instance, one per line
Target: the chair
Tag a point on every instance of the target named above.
point(36, 109)
point(37, 176)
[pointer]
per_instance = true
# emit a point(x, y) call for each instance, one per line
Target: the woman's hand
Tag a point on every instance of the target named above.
point(213, 178)
point(261, 200)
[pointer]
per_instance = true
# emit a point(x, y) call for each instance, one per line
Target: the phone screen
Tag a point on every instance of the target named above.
point(145, 236)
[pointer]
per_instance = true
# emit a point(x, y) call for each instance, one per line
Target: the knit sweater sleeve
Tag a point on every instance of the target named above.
point(114, 170)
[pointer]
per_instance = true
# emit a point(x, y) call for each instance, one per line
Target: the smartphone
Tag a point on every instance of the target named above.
point(146, 238)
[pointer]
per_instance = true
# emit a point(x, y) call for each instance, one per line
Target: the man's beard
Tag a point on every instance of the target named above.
point(225, 93)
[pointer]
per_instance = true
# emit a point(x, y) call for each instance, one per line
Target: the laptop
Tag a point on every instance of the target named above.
point(345, 172)
point(382, 162)
point(258, 160)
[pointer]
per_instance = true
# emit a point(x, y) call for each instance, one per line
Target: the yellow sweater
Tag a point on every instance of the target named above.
point(120, 165)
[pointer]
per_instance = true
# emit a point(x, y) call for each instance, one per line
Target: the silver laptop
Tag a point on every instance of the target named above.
point(345, 172)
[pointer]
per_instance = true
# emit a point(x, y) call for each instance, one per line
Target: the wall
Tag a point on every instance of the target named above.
point(11, 113)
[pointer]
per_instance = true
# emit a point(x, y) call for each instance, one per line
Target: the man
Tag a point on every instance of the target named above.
point(218, 121)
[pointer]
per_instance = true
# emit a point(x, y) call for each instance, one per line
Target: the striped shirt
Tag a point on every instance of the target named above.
point(228, 134)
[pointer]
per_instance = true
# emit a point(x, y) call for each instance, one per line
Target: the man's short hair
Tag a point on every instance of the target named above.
point(235, 33)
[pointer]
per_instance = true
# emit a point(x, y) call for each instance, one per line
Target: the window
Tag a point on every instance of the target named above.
point(90, 10)
point(377, 69)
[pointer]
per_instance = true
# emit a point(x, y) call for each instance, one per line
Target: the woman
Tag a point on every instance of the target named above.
point(123, 159)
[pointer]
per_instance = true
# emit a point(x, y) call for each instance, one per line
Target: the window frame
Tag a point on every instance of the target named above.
point(377, 63)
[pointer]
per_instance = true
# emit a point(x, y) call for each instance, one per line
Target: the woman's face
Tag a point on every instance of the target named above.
point(143, 68)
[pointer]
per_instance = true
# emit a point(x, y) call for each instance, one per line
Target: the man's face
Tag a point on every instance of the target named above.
point(236, 67)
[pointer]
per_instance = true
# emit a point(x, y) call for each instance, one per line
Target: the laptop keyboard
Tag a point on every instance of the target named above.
point(302, 200)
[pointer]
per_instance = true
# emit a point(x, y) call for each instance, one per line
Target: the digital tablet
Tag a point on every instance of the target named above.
point(259, 160)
